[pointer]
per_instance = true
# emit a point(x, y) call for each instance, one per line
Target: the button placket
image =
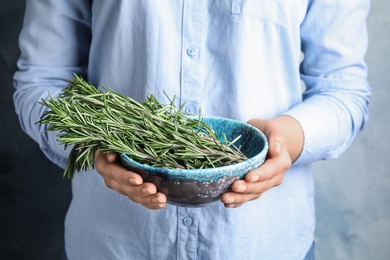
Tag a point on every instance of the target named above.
point(187, 233)
point(193, 38)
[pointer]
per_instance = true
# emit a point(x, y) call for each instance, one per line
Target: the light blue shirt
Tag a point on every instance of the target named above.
point(240, 59)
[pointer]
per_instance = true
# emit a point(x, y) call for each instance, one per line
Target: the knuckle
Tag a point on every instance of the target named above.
point(108, 183)
point(98, 166)
point(135, 195)
point(146, 204)
point(279, 181)
point(99, 163)
point(134, 198)
point(257, 196)
point(287, 164)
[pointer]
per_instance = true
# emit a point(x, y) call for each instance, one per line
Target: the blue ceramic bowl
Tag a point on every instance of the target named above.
point(203, 187)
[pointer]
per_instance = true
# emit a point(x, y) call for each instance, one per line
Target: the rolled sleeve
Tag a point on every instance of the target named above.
point(53, 47)
point(335, 101)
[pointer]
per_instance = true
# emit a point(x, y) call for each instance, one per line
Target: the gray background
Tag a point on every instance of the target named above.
point(352, 192)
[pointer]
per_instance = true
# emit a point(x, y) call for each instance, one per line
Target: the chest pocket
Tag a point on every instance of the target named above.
point(274, 11)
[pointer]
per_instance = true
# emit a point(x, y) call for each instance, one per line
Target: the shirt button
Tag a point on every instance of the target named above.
point(192, 52)
point(187, 221)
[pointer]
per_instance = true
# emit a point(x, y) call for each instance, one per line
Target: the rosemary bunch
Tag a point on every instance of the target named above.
point(150, 133)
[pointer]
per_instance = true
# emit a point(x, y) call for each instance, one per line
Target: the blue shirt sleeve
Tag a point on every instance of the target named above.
point(52, 47)
point(335, 101)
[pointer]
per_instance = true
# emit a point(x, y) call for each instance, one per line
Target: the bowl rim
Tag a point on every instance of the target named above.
point(250, 163)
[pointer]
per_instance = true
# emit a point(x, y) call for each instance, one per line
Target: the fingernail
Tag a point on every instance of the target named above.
point(278, 147)
point(255, 178)
point(146, 191)
point(110, 157)
point(229, 200)
point(162, 205)
point(135, 181)
point(241, 188)
point(157, 200)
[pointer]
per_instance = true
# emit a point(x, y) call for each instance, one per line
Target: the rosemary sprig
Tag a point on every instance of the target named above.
point(150, 133)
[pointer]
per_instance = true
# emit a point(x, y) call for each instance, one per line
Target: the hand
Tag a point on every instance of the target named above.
point(285, 138)
point(128, 183)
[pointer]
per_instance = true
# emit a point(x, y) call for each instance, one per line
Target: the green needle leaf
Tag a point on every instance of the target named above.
point(151, 133)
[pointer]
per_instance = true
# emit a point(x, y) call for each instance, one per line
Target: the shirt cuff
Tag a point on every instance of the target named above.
point(326, 130)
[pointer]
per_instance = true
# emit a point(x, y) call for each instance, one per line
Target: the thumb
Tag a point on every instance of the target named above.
point(276, 145)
